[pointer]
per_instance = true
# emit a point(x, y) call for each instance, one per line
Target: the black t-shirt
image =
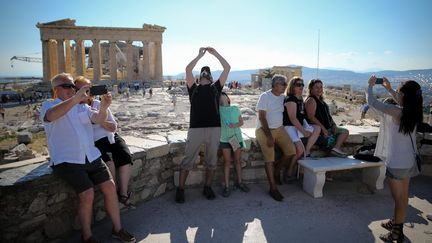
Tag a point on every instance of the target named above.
point(204, 99)
point(301, 114)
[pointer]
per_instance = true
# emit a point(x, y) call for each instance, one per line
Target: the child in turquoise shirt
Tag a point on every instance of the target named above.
point(231, 140)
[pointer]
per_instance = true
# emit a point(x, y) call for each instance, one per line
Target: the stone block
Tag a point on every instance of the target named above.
point(194, 178)
point(254, 174)
point(157, 151)
point(177, 160)
point(257, 163)
point(160, 190)
point(145, 194)
point(152, 167)
point(355, 139)
point(136, 167)
point(36, 236)
point(33, 222)
point(57, 226)
point(167, 174)
point(24, 137)
point(38, 204)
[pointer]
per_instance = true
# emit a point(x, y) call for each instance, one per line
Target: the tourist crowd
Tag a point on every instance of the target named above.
point(86, 151)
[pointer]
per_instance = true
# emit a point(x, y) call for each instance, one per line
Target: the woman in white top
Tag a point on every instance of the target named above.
point(401, 149)
point(109, 142)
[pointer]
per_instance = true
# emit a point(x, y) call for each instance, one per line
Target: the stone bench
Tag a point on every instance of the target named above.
point(314, 172)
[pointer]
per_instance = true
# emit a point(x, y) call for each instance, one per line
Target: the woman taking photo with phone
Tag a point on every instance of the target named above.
point(109, 142)
point(401, 149)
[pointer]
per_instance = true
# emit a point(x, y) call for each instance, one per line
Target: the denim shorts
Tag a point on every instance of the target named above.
point(223, 145)
point(400, 174)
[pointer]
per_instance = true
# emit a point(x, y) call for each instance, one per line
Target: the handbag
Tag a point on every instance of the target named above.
point(417, 155)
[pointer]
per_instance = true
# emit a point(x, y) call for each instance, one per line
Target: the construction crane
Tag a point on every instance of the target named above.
point(25, 59)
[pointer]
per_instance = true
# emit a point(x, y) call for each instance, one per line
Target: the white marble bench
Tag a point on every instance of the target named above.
point(314, 172)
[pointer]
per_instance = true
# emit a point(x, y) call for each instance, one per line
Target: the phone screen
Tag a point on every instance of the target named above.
point(379, 81)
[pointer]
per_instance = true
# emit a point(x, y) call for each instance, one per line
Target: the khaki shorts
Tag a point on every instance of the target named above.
point(281, 139)
point(209, 136)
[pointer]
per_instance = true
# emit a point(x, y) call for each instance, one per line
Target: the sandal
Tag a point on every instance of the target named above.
point(396, 234)
point(125, 200)
point(388, 225)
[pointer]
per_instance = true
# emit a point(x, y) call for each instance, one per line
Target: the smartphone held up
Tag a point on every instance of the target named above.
point(379, 81)
point(98, 90)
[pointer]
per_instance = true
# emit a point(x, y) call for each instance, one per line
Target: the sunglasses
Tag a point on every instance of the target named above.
point(299, 84)
point(67, 86)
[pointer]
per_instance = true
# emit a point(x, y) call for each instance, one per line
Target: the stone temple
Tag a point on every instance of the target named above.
point(101, 53)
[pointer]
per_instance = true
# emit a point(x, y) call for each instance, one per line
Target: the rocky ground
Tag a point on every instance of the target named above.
point(141, 115)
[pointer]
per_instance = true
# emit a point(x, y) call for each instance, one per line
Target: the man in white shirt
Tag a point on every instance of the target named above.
point(270, 130)
point(69, 131)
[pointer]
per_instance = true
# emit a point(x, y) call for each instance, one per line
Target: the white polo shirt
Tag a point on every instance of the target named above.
point(98, 131)
point(273, 105)
point(70, 138)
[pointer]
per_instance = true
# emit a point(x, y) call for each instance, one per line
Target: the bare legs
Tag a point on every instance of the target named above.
point(85, 207)
point(123, 176)
point(399, 190)
point(227, 163)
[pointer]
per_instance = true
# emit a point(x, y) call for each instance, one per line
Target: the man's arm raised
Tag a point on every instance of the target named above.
point(226, 67)
point(191, 65)
point(62, 108)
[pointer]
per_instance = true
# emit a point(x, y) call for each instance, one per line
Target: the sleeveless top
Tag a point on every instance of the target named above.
point(301, 114)
point(322, 113)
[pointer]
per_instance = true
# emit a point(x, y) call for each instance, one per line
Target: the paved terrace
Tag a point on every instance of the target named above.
point(343, 215)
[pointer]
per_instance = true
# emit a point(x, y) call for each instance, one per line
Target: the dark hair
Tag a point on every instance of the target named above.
point(229, 100)
point(412, 110)
point(311, 84)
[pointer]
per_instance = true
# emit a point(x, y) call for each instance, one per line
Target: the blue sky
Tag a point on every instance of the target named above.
point(354, 35)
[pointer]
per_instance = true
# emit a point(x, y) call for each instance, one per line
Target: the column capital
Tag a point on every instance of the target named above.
point(95, 41)
point(145, 42)
point(129, 42)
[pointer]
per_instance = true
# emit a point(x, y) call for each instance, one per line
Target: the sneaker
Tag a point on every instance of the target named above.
point(338, 153)
point(89, 240)
point(179, 198)
point(208, 193)
point(275, 194)
point(226, 192)
point(123, 236)
point(242, 187)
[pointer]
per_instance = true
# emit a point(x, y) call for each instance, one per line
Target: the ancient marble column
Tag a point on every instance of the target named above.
point(113, 60)
point(61, 56)
point(79, 67)
point(129, 63)
point(68, 57)
point(53, 57)
point(146, 61)
point(46, 62)
point(158, 61)
point(96, 57)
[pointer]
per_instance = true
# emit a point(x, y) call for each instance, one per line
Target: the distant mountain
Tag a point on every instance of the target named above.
point(337, 77)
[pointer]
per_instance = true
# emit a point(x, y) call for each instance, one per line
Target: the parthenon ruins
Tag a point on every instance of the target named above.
point(66, 48)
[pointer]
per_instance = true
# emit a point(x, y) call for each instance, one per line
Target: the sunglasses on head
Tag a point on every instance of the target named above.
point(299, 84)
point(67, 86)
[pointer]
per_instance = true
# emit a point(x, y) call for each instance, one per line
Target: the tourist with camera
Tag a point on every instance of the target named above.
point(400, 155)
point(205, 125)
point(68, 126)
point(115, 152)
